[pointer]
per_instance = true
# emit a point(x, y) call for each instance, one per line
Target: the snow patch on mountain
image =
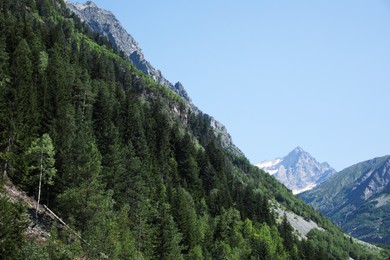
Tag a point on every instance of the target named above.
point(269, 165)
point(298, 171)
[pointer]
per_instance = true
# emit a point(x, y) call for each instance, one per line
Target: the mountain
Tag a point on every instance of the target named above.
point(357, 199)
point(99, 161)
point(299, 171)
point(106, 24)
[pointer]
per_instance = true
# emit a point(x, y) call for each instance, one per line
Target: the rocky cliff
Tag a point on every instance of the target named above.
point(105, 23)
point(298, 171)
point(357, 199)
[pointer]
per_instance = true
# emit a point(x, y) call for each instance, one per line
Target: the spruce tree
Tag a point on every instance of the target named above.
point(5, 108)
point(187, 219)
point(126, 240)
point(26, 103)
point(168, 243)
point(13, 224)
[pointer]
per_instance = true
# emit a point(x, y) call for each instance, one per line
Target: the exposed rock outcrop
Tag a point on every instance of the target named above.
point(299, 171)
point(105, 23)
point(357, 199)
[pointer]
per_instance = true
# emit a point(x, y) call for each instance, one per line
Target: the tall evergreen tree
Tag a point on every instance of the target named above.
point(5, 107)
point(187, 219)
point(13, 224)
point(26, 103)
point(285, 230)
point(126, 239)
point(168, 245)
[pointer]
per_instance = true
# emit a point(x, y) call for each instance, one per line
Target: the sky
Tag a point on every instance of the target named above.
point(277, 73)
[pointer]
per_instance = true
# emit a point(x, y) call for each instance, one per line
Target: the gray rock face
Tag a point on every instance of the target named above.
point(224, 137)
point(298, 171)
point(105, 23)
point(302, 226)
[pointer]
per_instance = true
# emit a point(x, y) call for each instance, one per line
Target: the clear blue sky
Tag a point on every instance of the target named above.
point(277, 73)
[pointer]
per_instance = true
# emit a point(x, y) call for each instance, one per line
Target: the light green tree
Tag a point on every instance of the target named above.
point(41, 153)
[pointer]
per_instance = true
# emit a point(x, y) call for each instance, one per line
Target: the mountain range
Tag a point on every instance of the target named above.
point(357, 199)
point(298, 171)
point(100, 161)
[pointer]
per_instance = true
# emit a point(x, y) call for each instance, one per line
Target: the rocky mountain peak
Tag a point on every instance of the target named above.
point(297, 154)
point(90, 4)
point(298, 150)
point(299, 157)
point(106, 24)
point(299, 171)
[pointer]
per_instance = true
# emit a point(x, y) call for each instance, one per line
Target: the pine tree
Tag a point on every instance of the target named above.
point(13, 224)
point(126, 239)
point(5, 108)
point(187, 165)
point(26, 103)
point(285, 230)
point(186, 218)
point(168, 246)
point(84, 191)
point(83, 97)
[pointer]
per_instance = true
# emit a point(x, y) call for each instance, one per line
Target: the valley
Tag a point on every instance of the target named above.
point(103, 158)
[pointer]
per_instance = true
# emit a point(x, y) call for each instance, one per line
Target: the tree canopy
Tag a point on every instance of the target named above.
point(102, 142)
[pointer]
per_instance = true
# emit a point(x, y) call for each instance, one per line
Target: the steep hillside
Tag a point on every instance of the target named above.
point(299, 171)
point(124, 162)
point(357, 199)
point(105, 24)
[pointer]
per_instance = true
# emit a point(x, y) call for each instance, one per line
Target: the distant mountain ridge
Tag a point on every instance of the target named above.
point(105, 23)
point(121, 167)
point(357, 199)
point(298, 171)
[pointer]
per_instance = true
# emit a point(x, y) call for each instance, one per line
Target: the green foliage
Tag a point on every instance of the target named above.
point(34, 251)
point(286, 232)
point(57, 248)
point(168, 245)
point(186, 218)
point(130, 176)
point(41, 155)
point(126, 242)
point(348, 205)
point(13, 224)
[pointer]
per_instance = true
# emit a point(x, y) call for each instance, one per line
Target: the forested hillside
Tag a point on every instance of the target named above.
point(124, 163)
point(357, 199)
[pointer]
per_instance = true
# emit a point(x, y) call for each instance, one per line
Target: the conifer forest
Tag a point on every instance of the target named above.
point(131, 171)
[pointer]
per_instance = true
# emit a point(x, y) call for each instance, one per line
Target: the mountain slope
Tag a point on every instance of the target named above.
point(124, 163)
point(357, 199)
point(299, 171)
point(105, 23)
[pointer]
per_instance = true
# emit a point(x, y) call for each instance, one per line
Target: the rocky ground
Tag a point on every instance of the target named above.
point(302, 226)
point(37, 228)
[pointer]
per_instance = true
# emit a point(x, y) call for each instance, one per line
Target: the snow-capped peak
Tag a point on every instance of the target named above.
point(299, 171)
point(268, 165)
